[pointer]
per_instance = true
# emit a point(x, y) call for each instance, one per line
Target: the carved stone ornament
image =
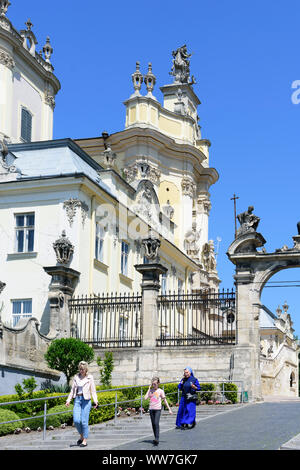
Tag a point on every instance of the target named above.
point(208, 256)
point(204, 205)
point(168, 210)
point(4, 4)
point(142, 170)
point(50, 100)
point(71, 206)
point(146, 204)
point(137, 79)
point(191, 241)
point(6, 59)
point(63, 249)
point(149, 80)
point(248, 221)
point(2, 286)
point(151, 247)
point(188, 187)
point(109, 157)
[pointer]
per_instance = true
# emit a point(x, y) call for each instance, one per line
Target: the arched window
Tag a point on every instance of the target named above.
point(292, 379)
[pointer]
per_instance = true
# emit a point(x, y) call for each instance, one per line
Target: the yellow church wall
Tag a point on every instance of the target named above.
point(169, 126)
point(168, 191)
point(132, 115)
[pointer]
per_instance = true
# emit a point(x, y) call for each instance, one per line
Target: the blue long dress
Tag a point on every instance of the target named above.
point(187, 409)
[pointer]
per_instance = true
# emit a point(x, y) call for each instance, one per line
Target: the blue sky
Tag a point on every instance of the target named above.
point(245, 59)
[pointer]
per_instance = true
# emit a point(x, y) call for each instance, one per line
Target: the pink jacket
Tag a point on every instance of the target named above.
point(88, 389)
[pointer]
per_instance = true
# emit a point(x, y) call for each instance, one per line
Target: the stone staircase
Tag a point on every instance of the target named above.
point(108, 435)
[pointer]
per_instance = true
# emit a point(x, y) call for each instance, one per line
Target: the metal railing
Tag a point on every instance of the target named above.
point(197, 319)
point(240, 393)
point(108, 321)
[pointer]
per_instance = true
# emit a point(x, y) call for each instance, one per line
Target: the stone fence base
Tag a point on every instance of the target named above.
point(138, 366)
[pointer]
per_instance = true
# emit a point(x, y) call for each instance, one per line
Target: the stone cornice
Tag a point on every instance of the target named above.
point(37, 63)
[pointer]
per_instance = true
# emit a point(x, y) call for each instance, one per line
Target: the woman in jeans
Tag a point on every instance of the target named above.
point(83, 388)
point(156, 394)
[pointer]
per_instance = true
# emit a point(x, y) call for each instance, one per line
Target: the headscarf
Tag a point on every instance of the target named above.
point(189, 369)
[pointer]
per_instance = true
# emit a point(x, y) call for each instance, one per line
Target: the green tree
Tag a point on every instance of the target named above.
point(65, 354)
point(106, 368)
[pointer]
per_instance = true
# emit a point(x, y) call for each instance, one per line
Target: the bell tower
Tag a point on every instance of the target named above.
point(28, 85)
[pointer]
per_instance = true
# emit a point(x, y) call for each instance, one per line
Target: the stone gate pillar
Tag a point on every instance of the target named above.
point(150, 289)
point(151, 272)
point(61, 289)
point(253, 269)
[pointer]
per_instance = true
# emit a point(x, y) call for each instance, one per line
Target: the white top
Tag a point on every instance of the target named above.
point(80, 384)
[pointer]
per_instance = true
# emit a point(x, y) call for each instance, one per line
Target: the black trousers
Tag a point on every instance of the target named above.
point(155, 417)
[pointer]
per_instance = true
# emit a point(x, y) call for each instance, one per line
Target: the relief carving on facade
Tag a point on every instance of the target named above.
point(188, 187)
point(146, 204)
point(208, 258)
point(204, 205)
point(142, 170)
point(71, 206)
point(191, 241)
point(6, 59)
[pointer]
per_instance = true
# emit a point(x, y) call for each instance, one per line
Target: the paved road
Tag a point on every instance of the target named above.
point(259, 426)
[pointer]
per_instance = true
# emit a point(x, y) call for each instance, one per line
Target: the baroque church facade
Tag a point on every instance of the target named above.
point(81, 210)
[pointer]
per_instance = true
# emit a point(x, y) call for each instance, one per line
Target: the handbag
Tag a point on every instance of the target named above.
point(191, 397)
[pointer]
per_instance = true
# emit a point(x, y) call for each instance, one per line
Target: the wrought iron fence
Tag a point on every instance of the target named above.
point(203, 318)
point(108, 321)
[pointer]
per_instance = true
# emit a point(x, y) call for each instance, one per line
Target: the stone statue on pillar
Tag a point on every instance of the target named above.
point(249, 222)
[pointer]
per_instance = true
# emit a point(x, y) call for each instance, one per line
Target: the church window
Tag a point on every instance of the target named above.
point(26, 125)
point(24, 233)
point(99, 242)
point(164, 284)
point(21, 308)
point(124, 258)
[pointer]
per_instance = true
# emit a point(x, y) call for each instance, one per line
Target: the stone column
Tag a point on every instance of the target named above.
point(150, 288)
point(61, 289)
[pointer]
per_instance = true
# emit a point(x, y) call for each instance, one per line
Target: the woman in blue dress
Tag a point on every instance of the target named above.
point(186, 416)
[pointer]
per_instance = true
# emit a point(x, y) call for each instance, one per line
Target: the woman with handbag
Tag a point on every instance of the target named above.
point(83, 389)
point(186, 416)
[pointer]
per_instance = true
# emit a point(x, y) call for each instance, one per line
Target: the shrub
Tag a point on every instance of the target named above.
point(208, 392)
point(7, 415)
point(105, 413)
point(64, 354)
point(230, 390)
point(55, 421)
point(106, 368)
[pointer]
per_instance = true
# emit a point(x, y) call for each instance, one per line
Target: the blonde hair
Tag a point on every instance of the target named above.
point(156, 379)
point(84, 365)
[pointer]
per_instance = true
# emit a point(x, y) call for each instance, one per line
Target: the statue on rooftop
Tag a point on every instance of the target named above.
point(181, 66)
